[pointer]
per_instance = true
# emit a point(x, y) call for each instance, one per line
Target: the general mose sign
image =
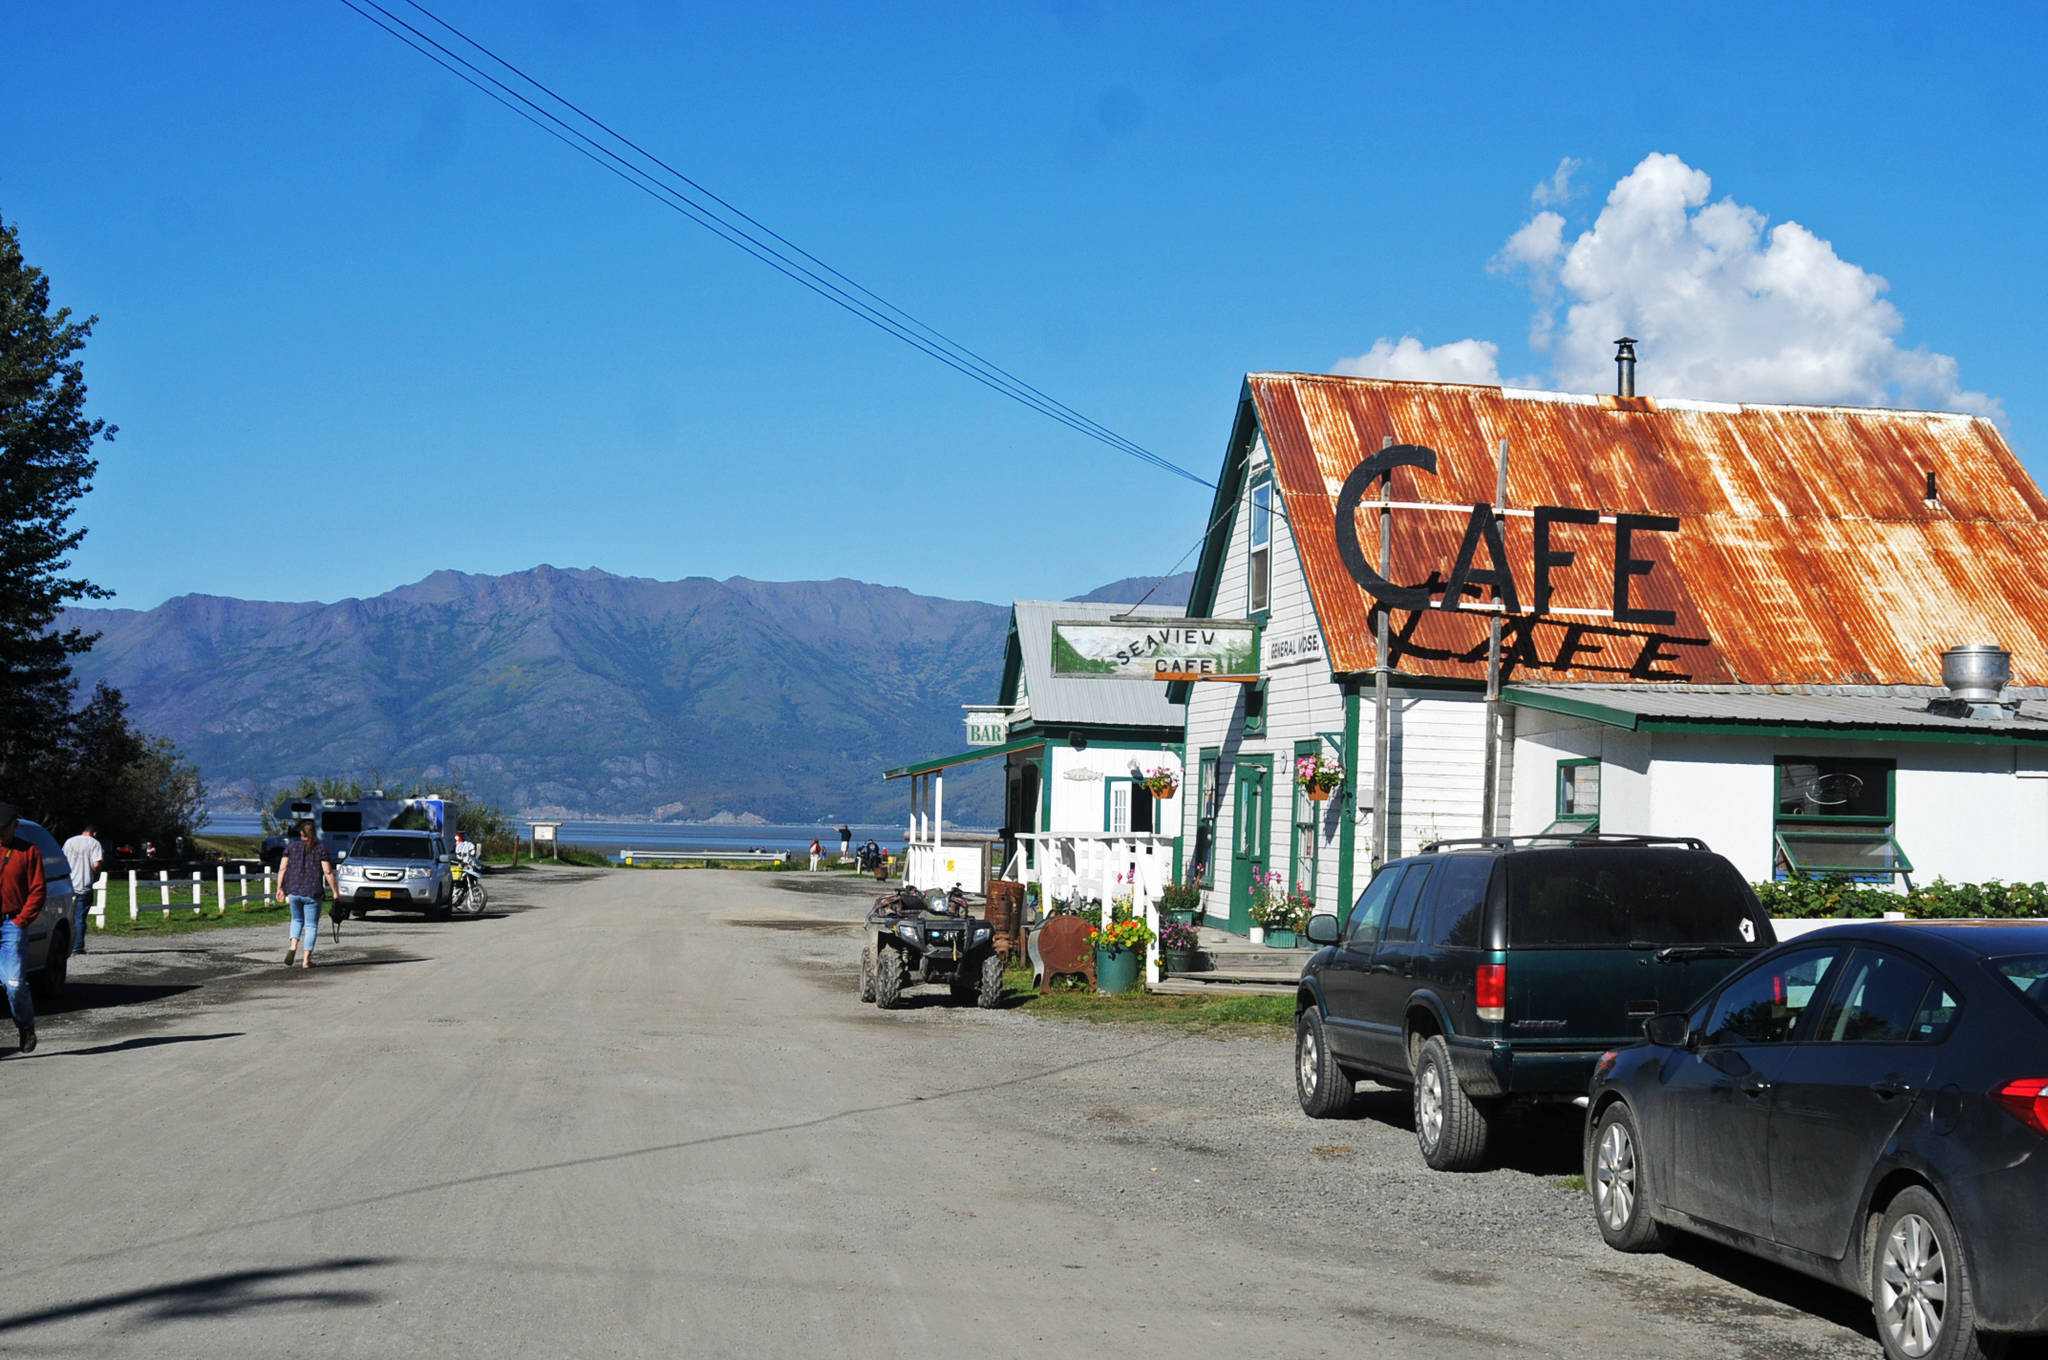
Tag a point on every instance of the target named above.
point(1154, 649)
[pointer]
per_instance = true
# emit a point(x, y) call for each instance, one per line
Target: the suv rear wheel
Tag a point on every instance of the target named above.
point(1450, 1128)
point(1324, 1089)
point(1920, 1286)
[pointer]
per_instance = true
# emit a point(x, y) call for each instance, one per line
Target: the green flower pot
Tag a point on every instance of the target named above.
point(1185, 915)
point(1279, 939)
point(1116, 970)
point(1178, 960)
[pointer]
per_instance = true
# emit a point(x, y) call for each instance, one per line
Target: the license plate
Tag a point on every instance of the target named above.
point(382, 892)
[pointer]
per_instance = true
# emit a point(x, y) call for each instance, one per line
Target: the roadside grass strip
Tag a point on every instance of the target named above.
point(1081, 1002)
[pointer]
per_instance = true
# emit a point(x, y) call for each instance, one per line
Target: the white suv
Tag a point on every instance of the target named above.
point(397, 871)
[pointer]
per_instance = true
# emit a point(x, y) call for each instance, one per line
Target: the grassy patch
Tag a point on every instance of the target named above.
point(1575, 1184)
point(1081, 1002)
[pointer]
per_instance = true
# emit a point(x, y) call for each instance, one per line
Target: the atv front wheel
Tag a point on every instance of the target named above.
point(990, 994)
point(867, 973)
point(888, 978)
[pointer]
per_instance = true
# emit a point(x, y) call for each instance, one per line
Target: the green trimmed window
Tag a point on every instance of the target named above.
point(1837, 815)
point(1204, 862)
point(1578, 797)
point(1308, 817)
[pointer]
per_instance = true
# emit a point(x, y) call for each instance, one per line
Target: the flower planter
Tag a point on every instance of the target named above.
point(1178, 960)
point(1162, 792)
point(1116, 970)
point(1316, 795)
point(1279, 939)
point(1185, 916)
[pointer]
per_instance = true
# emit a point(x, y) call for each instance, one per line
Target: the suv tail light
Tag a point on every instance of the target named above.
point(1491, 991)
point(2027, 1101)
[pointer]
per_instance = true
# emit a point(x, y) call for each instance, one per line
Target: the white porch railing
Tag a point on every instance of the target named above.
point(1097, 864)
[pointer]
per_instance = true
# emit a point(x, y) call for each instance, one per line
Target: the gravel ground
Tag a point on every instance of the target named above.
point(1201, 1130)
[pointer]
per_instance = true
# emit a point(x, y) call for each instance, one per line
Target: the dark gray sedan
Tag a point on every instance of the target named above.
point(1867, 1104)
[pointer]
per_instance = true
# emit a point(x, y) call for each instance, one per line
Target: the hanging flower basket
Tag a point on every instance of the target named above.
point(1319, 776)
point(1163, 782)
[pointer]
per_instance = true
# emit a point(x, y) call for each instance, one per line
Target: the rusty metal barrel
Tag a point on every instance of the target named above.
point(1006, 916)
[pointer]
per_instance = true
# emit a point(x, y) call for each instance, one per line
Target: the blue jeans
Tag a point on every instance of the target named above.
point(81, 907)
point(18, 1000)
point(305, 921)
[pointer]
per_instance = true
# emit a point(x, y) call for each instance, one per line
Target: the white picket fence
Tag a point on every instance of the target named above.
point(167, 888)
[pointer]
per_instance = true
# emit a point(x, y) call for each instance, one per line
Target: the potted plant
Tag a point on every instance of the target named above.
point(1318, 775)
point(1180, 902)
point(1119, 951)
point(1270, 910)
point(1162, 780)
point(1178, 944)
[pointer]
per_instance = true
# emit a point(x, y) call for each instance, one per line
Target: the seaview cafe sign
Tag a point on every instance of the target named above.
point(1156, 649)
point(1616, 633)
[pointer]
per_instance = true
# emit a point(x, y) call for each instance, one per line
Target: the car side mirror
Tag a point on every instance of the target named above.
point(1672, 1029)
point(447, 859)
point(1322, 928)
point(341, 858)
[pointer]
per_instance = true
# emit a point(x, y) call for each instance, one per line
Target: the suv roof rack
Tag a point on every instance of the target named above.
point(1613, 838)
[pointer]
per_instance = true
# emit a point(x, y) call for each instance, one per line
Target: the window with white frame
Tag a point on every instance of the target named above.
point(1260, 571)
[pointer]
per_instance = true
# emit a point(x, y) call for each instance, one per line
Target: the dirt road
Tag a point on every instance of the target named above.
point(642, 1113)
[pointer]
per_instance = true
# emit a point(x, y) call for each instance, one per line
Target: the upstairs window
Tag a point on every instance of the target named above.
point(1261, 567)
point(1836, 816)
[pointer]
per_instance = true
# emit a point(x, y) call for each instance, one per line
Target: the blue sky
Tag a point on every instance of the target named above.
point(358, 323)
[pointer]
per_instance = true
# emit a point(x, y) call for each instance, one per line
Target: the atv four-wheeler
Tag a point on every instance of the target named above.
point(914, 939)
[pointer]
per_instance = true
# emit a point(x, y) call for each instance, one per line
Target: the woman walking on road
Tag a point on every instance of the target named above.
point(300, 885)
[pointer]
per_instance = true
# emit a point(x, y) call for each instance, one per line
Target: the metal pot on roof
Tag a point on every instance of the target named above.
point(1976, 672)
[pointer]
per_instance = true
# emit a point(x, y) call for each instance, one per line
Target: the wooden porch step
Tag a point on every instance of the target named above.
point(1215, 984)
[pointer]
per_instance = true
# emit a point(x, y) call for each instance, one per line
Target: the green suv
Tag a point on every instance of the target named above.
point(1484, 972)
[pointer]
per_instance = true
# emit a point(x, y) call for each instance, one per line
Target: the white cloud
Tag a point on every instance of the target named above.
point(1558, 188)
point(1723, 306)
point(1408, 359)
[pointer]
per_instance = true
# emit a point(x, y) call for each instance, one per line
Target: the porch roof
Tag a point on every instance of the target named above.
point(964, 757)
point(1896, 712)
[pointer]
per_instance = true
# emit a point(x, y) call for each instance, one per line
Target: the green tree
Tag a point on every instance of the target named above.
point(46, 464)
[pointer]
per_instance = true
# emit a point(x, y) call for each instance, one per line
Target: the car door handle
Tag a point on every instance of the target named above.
point(1754, 1085)
point(1889, 1088)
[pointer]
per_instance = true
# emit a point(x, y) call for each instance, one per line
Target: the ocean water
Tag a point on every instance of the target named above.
point(612, 837)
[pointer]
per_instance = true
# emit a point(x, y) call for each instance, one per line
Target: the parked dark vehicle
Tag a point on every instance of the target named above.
point(913, 938)
point(1867, 1104)
point(1490, 971)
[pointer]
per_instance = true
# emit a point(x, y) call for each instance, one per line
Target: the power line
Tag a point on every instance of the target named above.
point(686, 196)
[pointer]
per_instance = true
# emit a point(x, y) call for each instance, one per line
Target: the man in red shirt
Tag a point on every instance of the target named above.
point(21, 897)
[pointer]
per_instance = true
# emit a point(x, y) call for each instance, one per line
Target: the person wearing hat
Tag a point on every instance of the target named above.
point(21, 898)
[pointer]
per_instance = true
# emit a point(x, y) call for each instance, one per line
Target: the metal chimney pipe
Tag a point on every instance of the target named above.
point(1625, 362)
point(1976, 672)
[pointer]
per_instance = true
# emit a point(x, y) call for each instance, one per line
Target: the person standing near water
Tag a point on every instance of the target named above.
point(300, 886)
point(817, 853)
point(845, 841)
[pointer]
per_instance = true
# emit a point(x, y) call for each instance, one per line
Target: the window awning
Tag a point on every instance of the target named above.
point(964, 757)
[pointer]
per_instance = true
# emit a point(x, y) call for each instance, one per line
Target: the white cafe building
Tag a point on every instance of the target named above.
point(1716, 620)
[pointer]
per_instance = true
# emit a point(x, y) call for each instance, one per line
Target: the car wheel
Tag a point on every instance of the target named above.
point(1450, 1128)
point(47, 983)
point(990, 994)
point(867, 973)
point(888, 977)
point(1920, 1288)
point(1614, 1175)
point(1324, 1089)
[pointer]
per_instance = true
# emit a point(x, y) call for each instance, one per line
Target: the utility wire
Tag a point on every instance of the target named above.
point(790, 260)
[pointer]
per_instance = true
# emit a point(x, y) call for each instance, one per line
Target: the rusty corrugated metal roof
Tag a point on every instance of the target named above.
point(1805, 553)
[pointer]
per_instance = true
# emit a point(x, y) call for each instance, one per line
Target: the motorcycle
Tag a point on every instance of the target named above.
point(470, 897)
